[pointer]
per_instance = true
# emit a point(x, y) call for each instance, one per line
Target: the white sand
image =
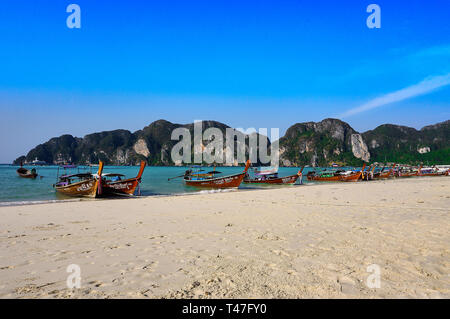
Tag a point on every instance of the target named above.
point(301, 241)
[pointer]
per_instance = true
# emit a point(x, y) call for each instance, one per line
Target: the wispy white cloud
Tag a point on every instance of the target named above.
point(426, 86)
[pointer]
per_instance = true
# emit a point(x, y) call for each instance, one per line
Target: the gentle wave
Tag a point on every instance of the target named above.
point(38, 202)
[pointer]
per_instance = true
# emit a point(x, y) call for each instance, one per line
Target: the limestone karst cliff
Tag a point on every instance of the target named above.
point(310, 143)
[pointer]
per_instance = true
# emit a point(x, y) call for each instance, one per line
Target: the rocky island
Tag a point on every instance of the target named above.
point(312, 143)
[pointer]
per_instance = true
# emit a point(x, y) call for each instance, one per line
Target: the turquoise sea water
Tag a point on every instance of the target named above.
point(14, 189)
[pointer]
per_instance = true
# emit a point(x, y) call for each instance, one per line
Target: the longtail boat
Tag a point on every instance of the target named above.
point(384, 174)
point(80, 184)
point(114, 184)
point(207, 180)
point(432, 172)
point(26, 173)
point(409, 174)
point(367, 176)
point(271, 177)
point(337, 176)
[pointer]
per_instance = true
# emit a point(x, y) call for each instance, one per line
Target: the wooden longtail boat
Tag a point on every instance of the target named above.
point(26, 173)
point(324, 176)
point(113, 184)
point(367, 176)
point(431, 172)
point(208, 181)
point(274, 179)
point(354, 177)
point(384, 175)
point(336, 176)
point(85, 184)
point(409, 174)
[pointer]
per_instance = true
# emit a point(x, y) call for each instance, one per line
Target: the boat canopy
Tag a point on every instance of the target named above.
point(214, 172)
point(76, 175)
point(266, 170)
point(111, 175)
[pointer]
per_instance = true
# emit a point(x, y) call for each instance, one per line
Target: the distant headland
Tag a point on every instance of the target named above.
point(310, 143)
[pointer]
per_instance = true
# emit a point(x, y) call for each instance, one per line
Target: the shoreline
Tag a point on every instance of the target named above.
point(85, 199)
point(199, 192)
point(290, 242)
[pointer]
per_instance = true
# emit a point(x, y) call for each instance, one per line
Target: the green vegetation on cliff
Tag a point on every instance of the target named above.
point(402, 144)
point(311, 143)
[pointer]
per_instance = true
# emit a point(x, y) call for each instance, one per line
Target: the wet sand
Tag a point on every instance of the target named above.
point(293, 242)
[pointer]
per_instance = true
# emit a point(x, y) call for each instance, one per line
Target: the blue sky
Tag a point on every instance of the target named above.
point(244, 63)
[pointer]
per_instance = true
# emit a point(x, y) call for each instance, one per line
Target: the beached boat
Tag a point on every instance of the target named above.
point(336, 176)
point(409, 173)
point(369, 175)
point(271, 177)
point(208, 180)
point(115, 184)
point(26, 173)
point(433, 171)
point(80, 184)
point(384, 174)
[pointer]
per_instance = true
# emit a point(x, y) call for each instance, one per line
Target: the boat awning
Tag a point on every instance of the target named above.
point(76, 175)
point(112, 175)
point(266, 170)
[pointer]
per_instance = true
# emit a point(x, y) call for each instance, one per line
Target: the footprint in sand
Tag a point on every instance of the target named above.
point(347, 285)
point(49, 226)
point(16, 236)
point(151, 266)
point(96, 283)
point(280, 253)
point(6, 267)
point(79, 222)
point(270, 236)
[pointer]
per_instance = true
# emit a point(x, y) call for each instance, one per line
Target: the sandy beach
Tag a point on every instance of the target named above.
point(311, 241)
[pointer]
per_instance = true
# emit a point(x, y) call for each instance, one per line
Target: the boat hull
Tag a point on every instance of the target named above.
point(382, 175)
point(324, 179)
point(408, 174)
point(354, 177)
point(87, 188)
point(351, 177)
point(287, 180)
point(412, 174)
point(125, 187)
point(342, 178)
point(232, 181)
point(434, 174)
point(25, 173)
